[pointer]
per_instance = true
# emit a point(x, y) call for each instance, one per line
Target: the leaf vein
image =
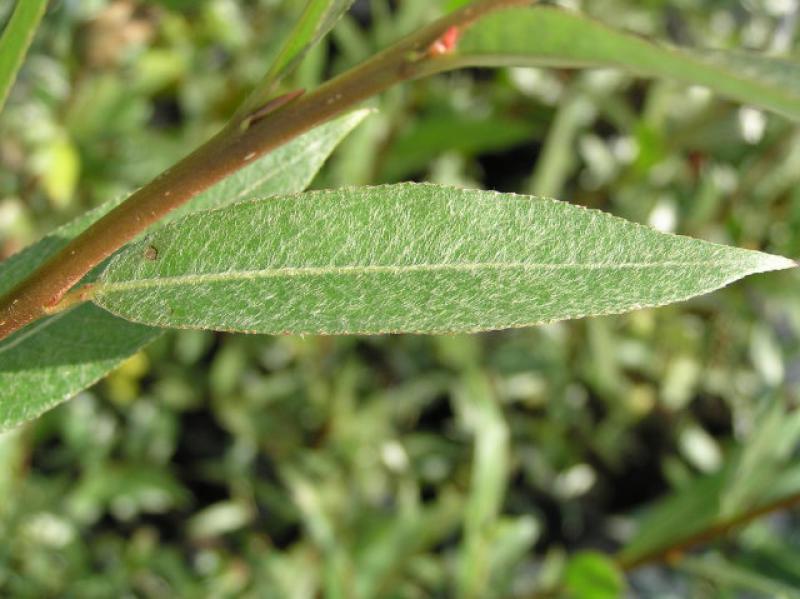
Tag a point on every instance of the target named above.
point(106, 287)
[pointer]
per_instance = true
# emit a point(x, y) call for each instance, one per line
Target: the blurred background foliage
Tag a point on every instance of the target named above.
point(493, 465)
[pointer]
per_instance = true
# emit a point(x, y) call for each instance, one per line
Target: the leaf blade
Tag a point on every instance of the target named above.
point(316, 20)
point(37, 375)
point(546, 36)
point(287, 169)
point(408, 258)
point(15, 41)
point(57, 357)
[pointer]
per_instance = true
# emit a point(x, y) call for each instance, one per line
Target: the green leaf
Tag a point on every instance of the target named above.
point(677, 517)
point(729, 575)
point(591, 575)
point(102, 486)
point(482, 415)
point(317, 19)
point(553, 37)
point(765, 455)
point(56, 357)
point(697, 507)
point(419, 144)
point(410, 258)
point(287, 169)
point(16, 39)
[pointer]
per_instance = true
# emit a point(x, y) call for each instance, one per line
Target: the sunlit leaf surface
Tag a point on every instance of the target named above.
point(411, 258)
point(56, 357)
point(548, 36)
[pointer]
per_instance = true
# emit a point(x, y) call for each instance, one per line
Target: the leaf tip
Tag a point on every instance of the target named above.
point(771, 262)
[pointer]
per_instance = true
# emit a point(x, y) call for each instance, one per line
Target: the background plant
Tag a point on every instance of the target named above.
point(625, 391)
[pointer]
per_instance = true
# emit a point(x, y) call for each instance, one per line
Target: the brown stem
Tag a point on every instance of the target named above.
point(675, 549)
point(231, 149)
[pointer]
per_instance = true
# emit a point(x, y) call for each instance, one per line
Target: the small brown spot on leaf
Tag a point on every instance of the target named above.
point(151, 253)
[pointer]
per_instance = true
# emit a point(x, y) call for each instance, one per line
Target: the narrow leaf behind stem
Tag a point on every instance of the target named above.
point(55, 358)
point(408, 258)
point(16, 39)
point(545, 36)
point(316, 20)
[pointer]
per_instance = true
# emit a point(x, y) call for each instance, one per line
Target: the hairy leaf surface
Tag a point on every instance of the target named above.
point(408, 258)
point(58, 356)
point(542, 36)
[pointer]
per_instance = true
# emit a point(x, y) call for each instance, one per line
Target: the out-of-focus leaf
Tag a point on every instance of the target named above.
point(56, 357)
point(763, 457)
point(126, 491)
point(592, 575)
point(677, 517)
point(696, 508)
point(414, 149)
point(58, 164)
point(542, 36)
point(484, 418)
point(317, 19)
point(412, 532)
point(16, 39)
point(770, 555)
point(413, 258)
point(512, 541)
point(730, 575)
point(558, 157)
point(219, 519)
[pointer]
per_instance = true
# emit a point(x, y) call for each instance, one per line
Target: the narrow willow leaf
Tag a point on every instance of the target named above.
point(542, 36)
point(56, 357)
point(317, 19)
point(408, 258)
point(16, 39)
point(287, 169)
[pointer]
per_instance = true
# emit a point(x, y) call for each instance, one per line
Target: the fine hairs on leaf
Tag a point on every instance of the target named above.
point(227, 239)
point(482, 33)
point(60, 355)
point(408, 258)
point(227, 152)
point(405, 258)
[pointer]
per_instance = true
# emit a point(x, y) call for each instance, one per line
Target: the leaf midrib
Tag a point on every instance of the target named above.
point(104, 287)
point(13, 342)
